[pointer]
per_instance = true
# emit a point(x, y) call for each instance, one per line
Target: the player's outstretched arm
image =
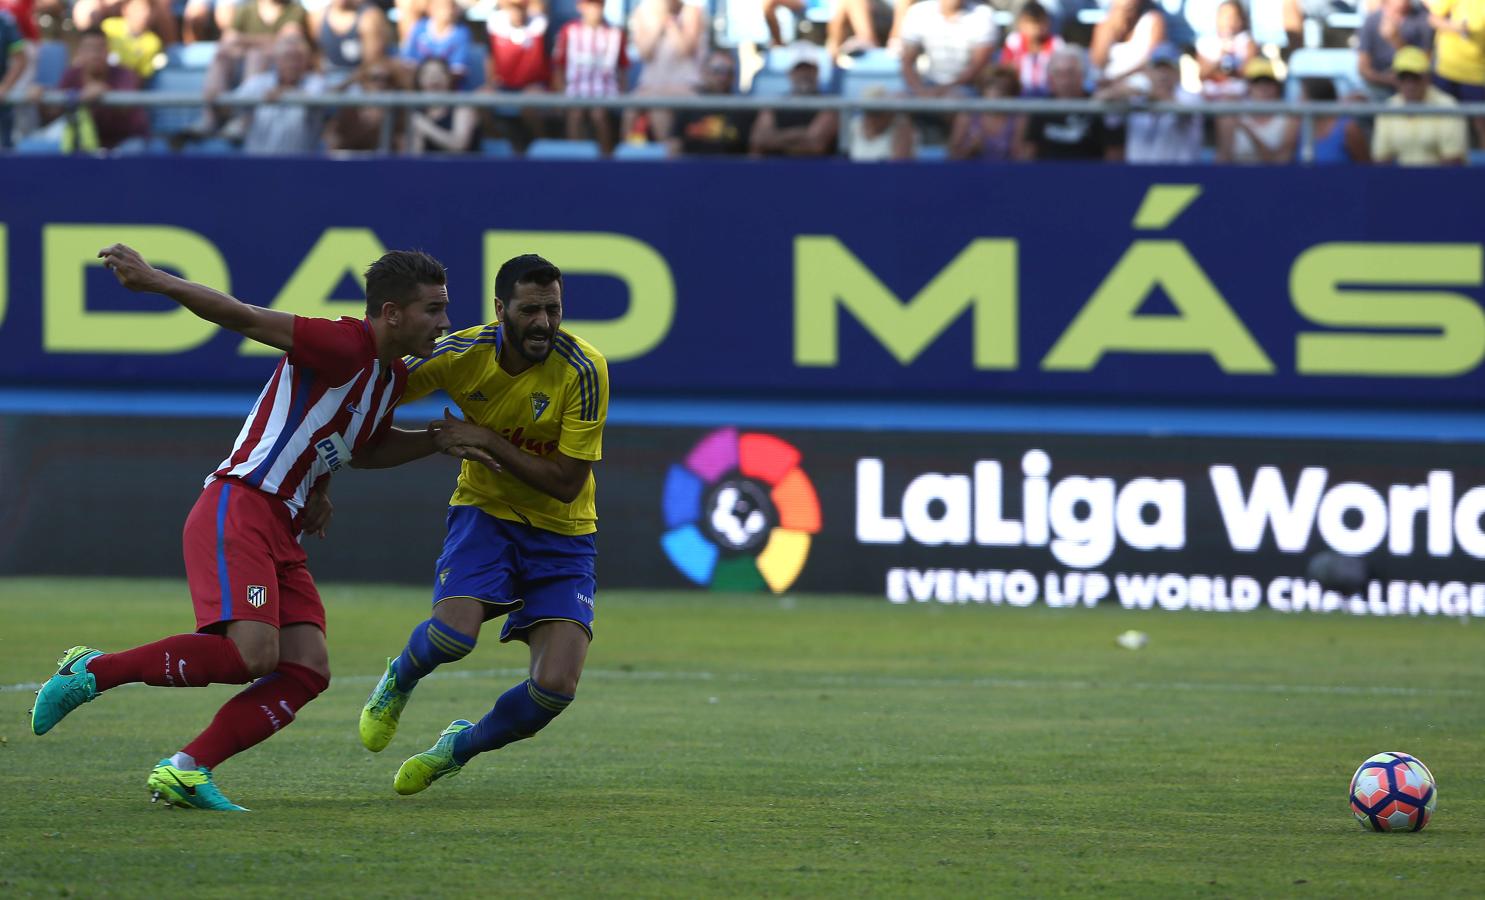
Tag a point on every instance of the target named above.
point(400, 445)
point(558, 475)
point(266, 326)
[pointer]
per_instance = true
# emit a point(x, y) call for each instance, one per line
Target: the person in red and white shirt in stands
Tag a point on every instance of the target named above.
point(1029, 49)
point(518, 60)
point(591, 60)
point(258, 614)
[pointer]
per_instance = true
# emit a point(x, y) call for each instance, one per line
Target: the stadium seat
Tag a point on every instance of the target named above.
point(497, 148)
point(51, 62)
point(210, 147)
point(770, 84)
point(166, 120)
point(652, 152)
point(553, 148)
point(191, 56)
point(932, 153)
point(38, 144)
point(474, 76)
point(1338, 64)
point(138, 146)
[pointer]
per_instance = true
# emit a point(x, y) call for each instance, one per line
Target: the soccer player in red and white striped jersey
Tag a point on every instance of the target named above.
point(591, 60)
point(258, 614)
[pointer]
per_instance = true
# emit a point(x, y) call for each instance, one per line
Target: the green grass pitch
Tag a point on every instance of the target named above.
point(730, 745)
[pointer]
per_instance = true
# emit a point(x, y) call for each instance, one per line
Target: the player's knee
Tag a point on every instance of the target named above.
point(557, 682)
point(258, 657)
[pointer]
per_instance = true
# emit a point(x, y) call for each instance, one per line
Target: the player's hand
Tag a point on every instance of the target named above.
point(130, 268)
point(452, 431)
point(474, 454)
point(317, 512)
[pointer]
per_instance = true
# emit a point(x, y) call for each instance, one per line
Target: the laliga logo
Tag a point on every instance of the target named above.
point(739, 512)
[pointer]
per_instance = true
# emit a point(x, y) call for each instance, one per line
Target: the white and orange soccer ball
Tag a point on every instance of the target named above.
point(1393, 792)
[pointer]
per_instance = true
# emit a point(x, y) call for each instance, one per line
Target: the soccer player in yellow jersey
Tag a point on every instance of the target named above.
point(520, 540)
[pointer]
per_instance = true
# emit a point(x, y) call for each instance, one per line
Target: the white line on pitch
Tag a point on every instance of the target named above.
point(888, 681)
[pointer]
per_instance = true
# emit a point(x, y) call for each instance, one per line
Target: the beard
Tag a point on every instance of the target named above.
point(519, 336)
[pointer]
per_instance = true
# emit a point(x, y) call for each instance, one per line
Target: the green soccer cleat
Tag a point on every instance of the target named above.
point(187, 788)
point(382, 710)
point(71, 687)
point(432, 764)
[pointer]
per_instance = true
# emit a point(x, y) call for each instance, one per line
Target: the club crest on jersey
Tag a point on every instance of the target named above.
point(257, 595)
point(539, 404)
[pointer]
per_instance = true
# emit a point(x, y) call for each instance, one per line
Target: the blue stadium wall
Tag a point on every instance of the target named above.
point(1168, 388)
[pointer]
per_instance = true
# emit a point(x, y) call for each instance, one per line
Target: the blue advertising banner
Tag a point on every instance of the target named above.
point(930, 282)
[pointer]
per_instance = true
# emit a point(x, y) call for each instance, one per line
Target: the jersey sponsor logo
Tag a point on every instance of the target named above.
point(530, 445)
point(333, 452)
point(539, 404)
point(257, 595)
point(740, 513)
point(476, 396)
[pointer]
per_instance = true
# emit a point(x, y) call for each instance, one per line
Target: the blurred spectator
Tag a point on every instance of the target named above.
point(287, 129)
point(1126, 38)
point(91, 76)
point(857, 25)
point(89, 14)
point(880, 136)
point(131, 43)
point(591, 60)
point(1264, 138)
point(1336, 140)
point(518, 61)
point(359, 128)
point(705, 133)
point(955, 37)
point(1418, 140)
point(440, 35)
point(1069, 136)
point(19, 70)
point(797, 132)
point(353, 35)
point(14, 57)
point(1398, 23)
point(1154, 138)
point(771, 17)
point(670, 39)
point(1459, 53)
point(441, 129)
point(1223, 54)
point(518, 52)
point(992, 137)
point(1029, 49)
point(202, 20)
point(246, 48)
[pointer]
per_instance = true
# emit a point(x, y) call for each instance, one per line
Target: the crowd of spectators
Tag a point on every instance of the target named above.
point(1135, 53)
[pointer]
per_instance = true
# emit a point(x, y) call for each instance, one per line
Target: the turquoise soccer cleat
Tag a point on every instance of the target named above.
point(432, 764)
point(188, 789)
point(382, 710)
point(71, 687)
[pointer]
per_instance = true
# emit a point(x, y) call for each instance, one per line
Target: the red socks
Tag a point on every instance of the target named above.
point(185, 660)
point(256, 713)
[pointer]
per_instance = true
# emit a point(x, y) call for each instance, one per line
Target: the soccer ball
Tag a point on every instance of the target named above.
point(1393, 792)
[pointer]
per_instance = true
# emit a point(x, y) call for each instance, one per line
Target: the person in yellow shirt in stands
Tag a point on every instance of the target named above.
point(131, 41)
point(1413, 140)
point(1459, 47)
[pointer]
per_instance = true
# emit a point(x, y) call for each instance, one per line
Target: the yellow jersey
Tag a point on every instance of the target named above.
point(136, 52)
point(1456, 57)
point(558, 405)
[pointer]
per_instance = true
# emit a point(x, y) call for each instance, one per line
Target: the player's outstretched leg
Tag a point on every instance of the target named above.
point(520, 713)
point(183, 660)
point(431, 644)
point(71, 687)
point(254, 715)
point(189, 788)
point(432, 764)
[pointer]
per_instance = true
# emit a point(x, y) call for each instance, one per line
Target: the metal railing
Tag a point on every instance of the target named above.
point(1307, 111)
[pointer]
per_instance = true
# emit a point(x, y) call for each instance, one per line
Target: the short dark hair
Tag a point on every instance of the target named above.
point(1034, 12)
point(525, 269)
point(397, 276)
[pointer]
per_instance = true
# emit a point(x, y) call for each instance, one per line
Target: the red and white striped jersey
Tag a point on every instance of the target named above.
point(329, 397)
point(590, 59)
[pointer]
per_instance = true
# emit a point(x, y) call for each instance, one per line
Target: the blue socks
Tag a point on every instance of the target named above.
point(519, 713)
point(431, 645)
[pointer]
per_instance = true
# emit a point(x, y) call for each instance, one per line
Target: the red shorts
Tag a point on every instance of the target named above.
point(243, 561)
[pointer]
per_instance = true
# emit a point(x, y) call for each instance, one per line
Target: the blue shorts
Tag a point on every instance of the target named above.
point(529, 575)
point(1464, 93)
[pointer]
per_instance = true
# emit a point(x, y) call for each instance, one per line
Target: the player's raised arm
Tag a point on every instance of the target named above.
point(558, 475)
point(266, 326)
